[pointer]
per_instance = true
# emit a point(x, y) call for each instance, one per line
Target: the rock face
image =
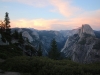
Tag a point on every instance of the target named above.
point(27, 35)
point(43, 37)
point(86, 29)
point(83, 47)
point(69, 45)
point(67, 33)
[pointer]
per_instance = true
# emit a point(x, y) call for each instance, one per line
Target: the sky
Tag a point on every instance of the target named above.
point(51, 14)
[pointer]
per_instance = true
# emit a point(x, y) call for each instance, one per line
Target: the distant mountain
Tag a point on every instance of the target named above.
point(44, 37)
point(17, 43)
point(83, 47)
point(97, 33)
point(67, 33)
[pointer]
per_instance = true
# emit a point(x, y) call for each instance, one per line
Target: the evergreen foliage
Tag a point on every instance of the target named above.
point(30, 51)
point(8, 51)
point(45, 66)
point(19, 37)
point(53, 53)
point(6, 20)
point(21, 40)
point(15, 34)
point(5, 28)
point(2, 27)
point(39, 52)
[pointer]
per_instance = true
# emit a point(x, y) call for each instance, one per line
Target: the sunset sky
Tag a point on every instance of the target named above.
point(51, 14)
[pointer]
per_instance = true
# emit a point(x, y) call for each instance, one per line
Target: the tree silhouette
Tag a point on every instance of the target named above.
point(7, 27)
point(21, 40)
point(2, 27)
point(53, 53)
point(6, 20)
point(16, 34)
point(39, 52)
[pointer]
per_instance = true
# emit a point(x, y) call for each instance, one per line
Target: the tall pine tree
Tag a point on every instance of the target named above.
point(21, 40)
point(16, 34)
point(7, 27)
point(6, 20)
point(39, 52)
point(54, 53)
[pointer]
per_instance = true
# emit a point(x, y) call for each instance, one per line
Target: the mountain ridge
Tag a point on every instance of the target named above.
point(76, 36)
point(83, 47)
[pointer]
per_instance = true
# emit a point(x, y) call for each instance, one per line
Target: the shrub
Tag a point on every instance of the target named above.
point(3, 55)
point(46, 66)
point(8, 51)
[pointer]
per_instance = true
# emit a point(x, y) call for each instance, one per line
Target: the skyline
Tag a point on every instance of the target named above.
point(52, 14)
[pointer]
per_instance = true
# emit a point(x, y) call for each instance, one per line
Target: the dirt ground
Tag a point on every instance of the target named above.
point(2, 60)
point(10, 73)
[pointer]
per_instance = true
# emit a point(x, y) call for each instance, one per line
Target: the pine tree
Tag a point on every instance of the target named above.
point(21, 40)
point(6, 20)
point(53, 53)
point(7, 27)
point(39, 52)
point(16, 34)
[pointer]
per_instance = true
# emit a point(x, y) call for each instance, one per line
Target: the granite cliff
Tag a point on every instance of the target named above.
point(83, 47)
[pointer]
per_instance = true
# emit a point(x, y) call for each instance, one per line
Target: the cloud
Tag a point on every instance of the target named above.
point(36, 3)
point(64, 7)
point(40, 24)
point(92, 18)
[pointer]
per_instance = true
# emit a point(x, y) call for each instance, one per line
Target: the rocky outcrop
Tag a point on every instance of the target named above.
point(27, 35)
point(42, 37)
point(67, 33)
point(83, 47)
point(86, 29)
point(35, 34)
point(87, 51)
point(69, 45)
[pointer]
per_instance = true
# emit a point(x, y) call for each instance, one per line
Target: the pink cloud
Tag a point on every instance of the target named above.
point(92, 18)
point(64, 7)
point(40, 24)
